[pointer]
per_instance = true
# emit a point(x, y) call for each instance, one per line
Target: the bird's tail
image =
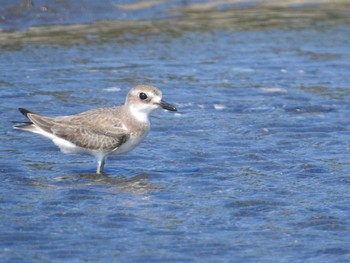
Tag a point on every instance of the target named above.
point(24, 125)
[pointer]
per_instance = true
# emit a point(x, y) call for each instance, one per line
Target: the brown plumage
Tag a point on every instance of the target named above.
point(103, 131)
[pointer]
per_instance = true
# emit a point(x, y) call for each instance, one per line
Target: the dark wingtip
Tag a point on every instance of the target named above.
point(24, 111)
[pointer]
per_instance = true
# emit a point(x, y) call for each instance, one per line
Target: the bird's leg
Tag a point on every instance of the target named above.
point(100, 165)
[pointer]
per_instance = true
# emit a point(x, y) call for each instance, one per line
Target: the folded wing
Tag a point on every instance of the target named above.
point(91, 131)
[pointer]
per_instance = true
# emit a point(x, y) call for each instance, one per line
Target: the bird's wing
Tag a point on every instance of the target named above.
point(93, 139)
point(95, 130)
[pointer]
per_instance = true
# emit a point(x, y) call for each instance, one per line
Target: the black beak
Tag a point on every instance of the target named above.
point(167, 106)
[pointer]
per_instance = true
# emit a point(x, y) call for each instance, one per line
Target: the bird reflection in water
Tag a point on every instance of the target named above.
point(138, 184)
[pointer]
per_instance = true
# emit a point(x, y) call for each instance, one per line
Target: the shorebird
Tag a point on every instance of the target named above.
point(104, 131)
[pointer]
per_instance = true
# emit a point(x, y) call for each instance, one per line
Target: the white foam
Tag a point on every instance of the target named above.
point(112, 89)
point(274, 90)
point(219, 106)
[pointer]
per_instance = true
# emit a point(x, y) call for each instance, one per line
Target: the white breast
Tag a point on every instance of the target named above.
point(131, 143)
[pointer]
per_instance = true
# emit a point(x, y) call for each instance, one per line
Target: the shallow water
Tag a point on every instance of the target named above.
point(254, 167)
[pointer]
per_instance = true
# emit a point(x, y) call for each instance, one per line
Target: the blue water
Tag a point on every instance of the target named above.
point(254, 167)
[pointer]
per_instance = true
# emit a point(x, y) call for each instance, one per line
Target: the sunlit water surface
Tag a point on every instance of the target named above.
point(254, 167)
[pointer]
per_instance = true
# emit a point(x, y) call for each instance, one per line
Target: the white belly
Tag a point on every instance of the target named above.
point(64, 145)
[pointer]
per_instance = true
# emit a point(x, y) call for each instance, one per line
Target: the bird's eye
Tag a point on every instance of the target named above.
point(142, 96)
